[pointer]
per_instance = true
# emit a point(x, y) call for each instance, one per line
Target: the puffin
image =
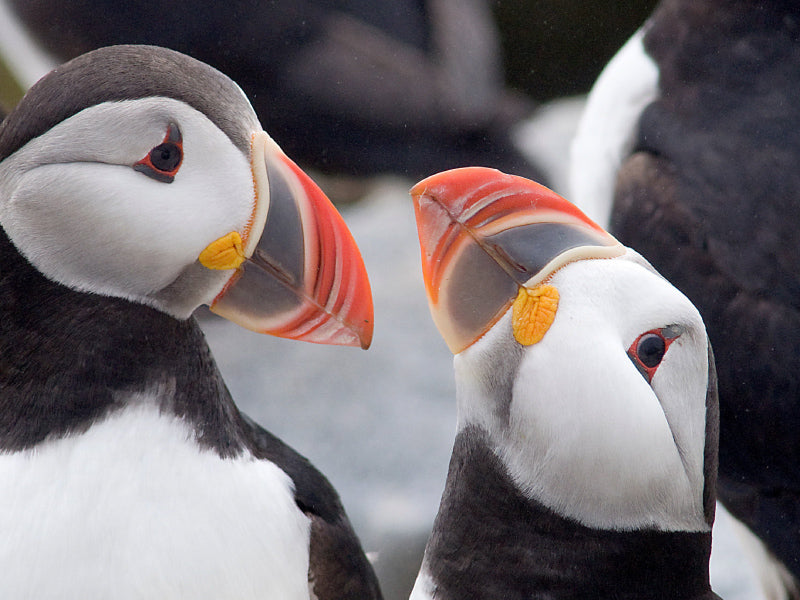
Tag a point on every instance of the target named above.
point(689, 147)
point(349, 87)
point(584, 462)
point(136, 184)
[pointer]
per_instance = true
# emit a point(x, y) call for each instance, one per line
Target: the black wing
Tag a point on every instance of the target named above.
point(338, 568)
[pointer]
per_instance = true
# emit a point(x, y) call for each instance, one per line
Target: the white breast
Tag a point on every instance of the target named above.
point(134, 509)
point(424, 588)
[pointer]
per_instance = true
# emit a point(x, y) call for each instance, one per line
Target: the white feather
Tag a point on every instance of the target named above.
point(423, 586)
point(607, 129)
point(134, 509)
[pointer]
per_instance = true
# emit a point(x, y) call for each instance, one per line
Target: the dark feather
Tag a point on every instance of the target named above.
point(710, 198)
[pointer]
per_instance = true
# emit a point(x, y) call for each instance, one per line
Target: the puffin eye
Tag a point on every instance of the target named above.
point(163, 161)
point(166, 157)
point(648, 350)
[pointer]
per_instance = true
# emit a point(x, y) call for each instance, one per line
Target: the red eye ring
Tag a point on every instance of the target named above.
point(163, 161)
point(648, 350)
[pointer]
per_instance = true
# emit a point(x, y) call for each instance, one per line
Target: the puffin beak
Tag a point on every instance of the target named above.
point(489, 240)
point(298, 272)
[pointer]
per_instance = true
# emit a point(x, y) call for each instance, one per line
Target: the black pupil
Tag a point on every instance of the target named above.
point(650, 349)
point(165, 157)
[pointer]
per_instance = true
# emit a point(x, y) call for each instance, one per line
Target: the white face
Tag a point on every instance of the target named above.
point(72, 203)
point(579, 427)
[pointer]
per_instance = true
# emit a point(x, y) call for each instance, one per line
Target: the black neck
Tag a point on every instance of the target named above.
point(490, 541)
point(68, 359)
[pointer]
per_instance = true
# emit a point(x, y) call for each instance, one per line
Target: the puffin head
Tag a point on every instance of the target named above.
point(590, 373)
point(140, 173)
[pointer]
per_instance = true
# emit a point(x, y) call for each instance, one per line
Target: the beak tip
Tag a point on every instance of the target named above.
point(366, 335)
point(345, 335)
point(313, 268)
point(418, 190)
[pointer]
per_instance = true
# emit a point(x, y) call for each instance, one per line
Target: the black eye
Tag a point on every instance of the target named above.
point(166, 157)
point(650, 349)
point(163, 161)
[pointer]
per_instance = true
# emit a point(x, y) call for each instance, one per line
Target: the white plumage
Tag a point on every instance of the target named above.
point(70, 505)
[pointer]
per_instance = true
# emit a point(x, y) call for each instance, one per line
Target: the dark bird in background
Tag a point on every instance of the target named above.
point(347, 86)
point(137, 184)
point(702, 170)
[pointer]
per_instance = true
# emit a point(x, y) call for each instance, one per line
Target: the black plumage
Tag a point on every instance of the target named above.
point(709, 196)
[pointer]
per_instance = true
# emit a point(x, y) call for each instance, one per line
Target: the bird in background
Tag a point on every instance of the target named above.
point(688, 151)
point(347, 87)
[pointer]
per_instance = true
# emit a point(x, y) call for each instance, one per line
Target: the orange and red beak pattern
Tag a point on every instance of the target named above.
point(483, 235)
point(303, 276)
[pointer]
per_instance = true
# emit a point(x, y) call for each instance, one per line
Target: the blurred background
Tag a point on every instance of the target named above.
point(370, 97)
point(352, 87)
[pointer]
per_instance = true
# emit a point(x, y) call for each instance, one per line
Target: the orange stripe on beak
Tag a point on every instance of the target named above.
point(338, 300)
point(304, 278)
point(483, 235)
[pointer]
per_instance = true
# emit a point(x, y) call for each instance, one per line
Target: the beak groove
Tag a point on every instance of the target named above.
point(303, 276)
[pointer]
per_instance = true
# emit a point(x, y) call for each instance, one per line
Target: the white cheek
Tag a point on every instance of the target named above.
point(108, 229)
point(587, 435)
point(79, 230)
point(596, 446)
point(478, 372)
point(681, 375)
point(213, 193)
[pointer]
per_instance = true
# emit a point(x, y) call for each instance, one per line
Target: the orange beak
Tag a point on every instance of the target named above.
point(484, 235)
point(301, 274)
